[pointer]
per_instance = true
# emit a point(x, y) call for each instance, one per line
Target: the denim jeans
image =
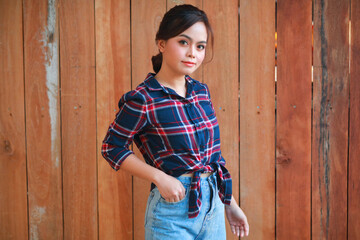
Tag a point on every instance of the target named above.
point(165, 220)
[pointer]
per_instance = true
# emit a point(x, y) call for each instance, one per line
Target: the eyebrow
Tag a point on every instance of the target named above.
point(186, 36)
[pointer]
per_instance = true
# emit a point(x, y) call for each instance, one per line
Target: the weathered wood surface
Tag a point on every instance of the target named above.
point(257, 116)
point(78, 119)
point(13, 182)
point(65, 65)
point(293, 120)
point(42, 94)
point(354, 131)
point(330, 119)
point(221, 75)
point(113, 78)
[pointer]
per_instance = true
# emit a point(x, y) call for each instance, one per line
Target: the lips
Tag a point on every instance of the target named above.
point(189, 64)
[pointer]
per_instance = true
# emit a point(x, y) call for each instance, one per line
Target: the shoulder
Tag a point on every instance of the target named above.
point(141, 92)
point(135, 96)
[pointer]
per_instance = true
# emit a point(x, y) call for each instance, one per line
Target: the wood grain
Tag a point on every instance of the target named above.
point(13, 182)
point(293, 125)
point(113, 79)
point(144, 25)
point(65, 64)
point(330, 119)
point(257, 116)
point(78, 119)
point(354, 134)
point(41, 53)
point(222, 77)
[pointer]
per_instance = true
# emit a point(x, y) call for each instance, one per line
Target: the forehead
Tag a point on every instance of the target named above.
point(196, 32)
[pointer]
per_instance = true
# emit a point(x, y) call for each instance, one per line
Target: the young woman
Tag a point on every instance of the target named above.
point(172, 121)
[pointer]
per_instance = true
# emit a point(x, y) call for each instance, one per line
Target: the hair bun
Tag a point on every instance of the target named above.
point(156, 62)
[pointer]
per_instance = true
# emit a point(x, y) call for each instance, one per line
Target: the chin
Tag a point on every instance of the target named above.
point(189, 71)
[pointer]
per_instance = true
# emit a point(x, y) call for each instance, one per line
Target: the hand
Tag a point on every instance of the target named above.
point(237, 219)
point(171, 189)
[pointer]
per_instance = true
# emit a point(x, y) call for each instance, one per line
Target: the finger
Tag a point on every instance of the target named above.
point(181, 196)
point(183, 193)
point(247, 229)
point(175, 199)
point(233, 229)
point(242, 232)
point(237, 230)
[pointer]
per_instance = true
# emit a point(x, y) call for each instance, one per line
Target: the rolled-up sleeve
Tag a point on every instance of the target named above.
point(130, 119)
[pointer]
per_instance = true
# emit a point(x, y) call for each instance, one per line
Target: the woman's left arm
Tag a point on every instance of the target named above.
point(237, 219)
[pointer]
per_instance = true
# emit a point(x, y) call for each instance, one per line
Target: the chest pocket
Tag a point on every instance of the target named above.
point(167, 117)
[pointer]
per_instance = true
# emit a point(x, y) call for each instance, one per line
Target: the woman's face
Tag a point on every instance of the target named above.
point(183, 54)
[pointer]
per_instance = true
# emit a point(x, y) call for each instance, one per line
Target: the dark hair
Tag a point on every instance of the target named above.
point(176, 21)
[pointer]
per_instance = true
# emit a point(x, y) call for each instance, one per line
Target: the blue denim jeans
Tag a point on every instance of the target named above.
point(165, 220)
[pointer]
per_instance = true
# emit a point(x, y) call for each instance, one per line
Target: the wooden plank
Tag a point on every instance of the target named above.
point(293, 125)
point(173, 3)
point(222, 78)
point(257, 116)
point(41, 53)
point(77, 55)
point(113, 79)
point(144, 25)
point(13, 197)
point(354, 139)
point(330, 119)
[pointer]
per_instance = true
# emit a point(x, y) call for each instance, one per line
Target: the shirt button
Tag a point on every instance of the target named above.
point(197, 125)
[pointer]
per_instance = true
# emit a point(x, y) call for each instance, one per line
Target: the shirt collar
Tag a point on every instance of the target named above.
point(154, 85)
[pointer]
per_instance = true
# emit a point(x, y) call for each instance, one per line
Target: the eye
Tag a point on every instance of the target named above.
point(183, 42)
point(201, 47)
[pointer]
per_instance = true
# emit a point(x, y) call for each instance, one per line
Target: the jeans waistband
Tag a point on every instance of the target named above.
point(188, 179)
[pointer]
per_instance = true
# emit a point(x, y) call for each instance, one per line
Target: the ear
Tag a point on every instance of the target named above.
point(161, 45)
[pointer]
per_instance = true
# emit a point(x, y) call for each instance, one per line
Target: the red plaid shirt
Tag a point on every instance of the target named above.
point(174, 134)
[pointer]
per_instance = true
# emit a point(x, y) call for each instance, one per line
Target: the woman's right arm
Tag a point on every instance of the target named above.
point(169, 187)
point(130, 119)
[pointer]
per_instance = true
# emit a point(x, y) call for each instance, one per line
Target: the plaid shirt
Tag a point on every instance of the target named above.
point(174, 134)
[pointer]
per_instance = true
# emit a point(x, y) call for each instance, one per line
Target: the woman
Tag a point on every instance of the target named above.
point(171, 119)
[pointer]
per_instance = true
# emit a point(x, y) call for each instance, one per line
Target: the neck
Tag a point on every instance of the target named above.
point(171, 80)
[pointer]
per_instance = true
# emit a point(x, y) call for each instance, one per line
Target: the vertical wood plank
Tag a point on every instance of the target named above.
point(222, 77)
point(41, 53)
point(354, 139)
point(173, 3)
point(144, 25)
point(293, 127)
point(257, 116)
point(13, 188)
point(77, 59)
point(113, 79)
point(330, 119)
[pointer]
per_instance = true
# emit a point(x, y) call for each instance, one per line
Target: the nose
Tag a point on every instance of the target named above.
point(191, 52)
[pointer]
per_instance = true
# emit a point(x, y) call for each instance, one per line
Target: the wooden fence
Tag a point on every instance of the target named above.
point(292, 145)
